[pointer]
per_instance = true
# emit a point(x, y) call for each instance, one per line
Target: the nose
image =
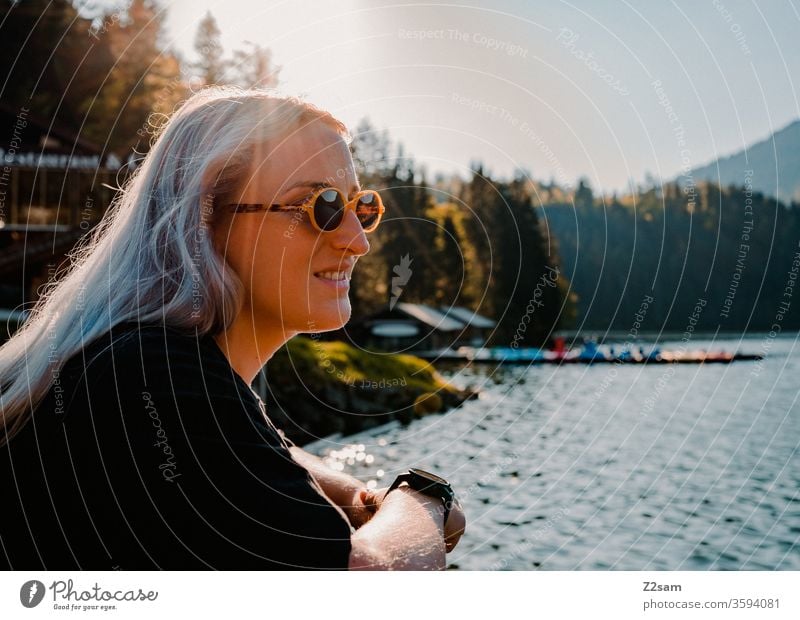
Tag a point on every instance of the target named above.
point(350, 236)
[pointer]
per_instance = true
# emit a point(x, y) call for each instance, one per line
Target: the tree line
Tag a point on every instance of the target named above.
point(733, 248)
point(102, 72)
point(477, 243)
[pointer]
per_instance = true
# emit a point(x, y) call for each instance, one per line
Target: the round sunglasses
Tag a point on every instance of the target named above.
point(326, 208)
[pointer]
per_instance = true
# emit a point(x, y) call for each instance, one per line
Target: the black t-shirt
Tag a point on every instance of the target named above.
point(150, 452)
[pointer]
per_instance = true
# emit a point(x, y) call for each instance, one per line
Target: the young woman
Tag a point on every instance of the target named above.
point(131, 436)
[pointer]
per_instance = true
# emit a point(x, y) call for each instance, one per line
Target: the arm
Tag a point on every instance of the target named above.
point(382, 540)
point(384, 543)
point(342, 489)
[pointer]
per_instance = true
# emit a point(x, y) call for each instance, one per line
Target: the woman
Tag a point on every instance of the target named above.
point(132, 437)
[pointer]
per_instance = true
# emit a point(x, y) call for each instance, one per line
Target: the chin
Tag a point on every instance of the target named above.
point(333, 319)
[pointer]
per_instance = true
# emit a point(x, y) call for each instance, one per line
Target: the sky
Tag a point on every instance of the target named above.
point(606, 89)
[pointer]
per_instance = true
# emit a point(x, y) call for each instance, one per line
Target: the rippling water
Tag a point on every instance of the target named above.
point(623, 467)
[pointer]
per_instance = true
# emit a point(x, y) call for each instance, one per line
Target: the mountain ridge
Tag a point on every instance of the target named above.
point(774, 162)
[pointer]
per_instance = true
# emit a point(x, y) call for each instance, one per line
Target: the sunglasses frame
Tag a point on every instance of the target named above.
point(308, 206)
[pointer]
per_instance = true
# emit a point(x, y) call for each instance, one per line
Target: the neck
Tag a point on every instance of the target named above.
point(248, 346)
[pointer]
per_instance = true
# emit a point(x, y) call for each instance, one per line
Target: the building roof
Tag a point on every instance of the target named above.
point(430, 316)
point(468, 317)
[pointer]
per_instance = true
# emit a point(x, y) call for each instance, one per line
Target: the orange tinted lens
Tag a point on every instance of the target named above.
point(368, 209)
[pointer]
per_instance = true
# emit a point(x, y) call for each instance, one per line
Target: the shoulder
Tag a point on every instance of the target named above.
point(140, 375)
point(147, 347)
point(135, 361)
point(129, 339)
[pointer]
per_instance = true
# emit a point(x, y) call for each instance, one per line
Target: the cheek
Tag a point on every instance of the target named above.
point(248, 253)
point(280, 268)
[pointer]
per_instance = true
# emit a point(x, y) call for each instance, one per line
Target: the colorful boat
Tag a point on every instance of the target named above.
point(585, 355)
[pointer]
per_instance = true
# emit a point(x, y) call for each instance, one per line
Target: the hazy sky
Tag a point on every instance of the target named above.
point(604, 88)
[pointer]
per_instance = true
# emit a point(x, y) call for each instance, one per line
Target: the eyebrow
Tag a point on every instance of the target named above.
point(316, 185)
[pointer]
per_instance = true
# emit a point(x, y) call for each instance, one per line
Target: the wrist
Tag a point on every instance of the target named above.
point(430, 485)
point(433, 505)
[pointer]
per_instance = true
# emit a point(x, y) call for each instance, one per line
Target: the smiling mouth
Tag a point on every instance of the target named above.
point(335, 276)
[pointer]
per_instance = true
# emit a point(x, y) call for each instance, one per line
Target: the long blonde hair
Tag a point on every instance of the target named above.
point(151, 257)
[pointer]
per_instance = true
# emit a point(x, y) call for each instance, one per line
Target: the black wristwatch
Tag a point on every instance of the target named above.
point(429, 484)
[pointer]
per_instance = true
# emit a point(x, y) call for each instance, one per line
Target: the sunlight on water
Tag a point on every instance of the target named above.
point(612, 467)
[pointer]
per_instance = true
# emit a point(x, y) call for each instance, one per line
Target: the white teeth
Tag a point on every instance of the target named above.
point(332, 275)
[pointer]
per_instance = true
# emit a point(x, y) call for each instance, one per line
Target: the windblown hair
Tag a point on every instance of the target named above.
point(152, 256)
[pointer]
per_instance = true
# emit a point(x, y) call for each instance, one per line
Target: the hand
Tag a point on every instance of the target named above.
point(364, 504)
point(455, 526)
point(453, 530)
point(371, 500)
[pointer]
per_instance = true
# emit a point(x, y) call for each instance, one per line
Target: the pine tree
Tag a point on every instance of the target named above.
point(254, 67)
point(144, 79)
point(211, 67)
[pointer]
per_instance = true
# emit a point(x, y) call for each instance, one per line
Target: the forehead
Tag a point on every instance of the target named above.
point(315, 153)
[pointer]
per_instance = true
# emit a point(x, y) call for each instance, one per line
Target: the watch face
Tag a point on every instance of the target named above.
point(429, 476)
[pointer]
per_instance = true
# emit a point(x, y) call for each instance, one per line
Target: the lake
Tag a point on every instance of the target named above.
point(610, 466)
